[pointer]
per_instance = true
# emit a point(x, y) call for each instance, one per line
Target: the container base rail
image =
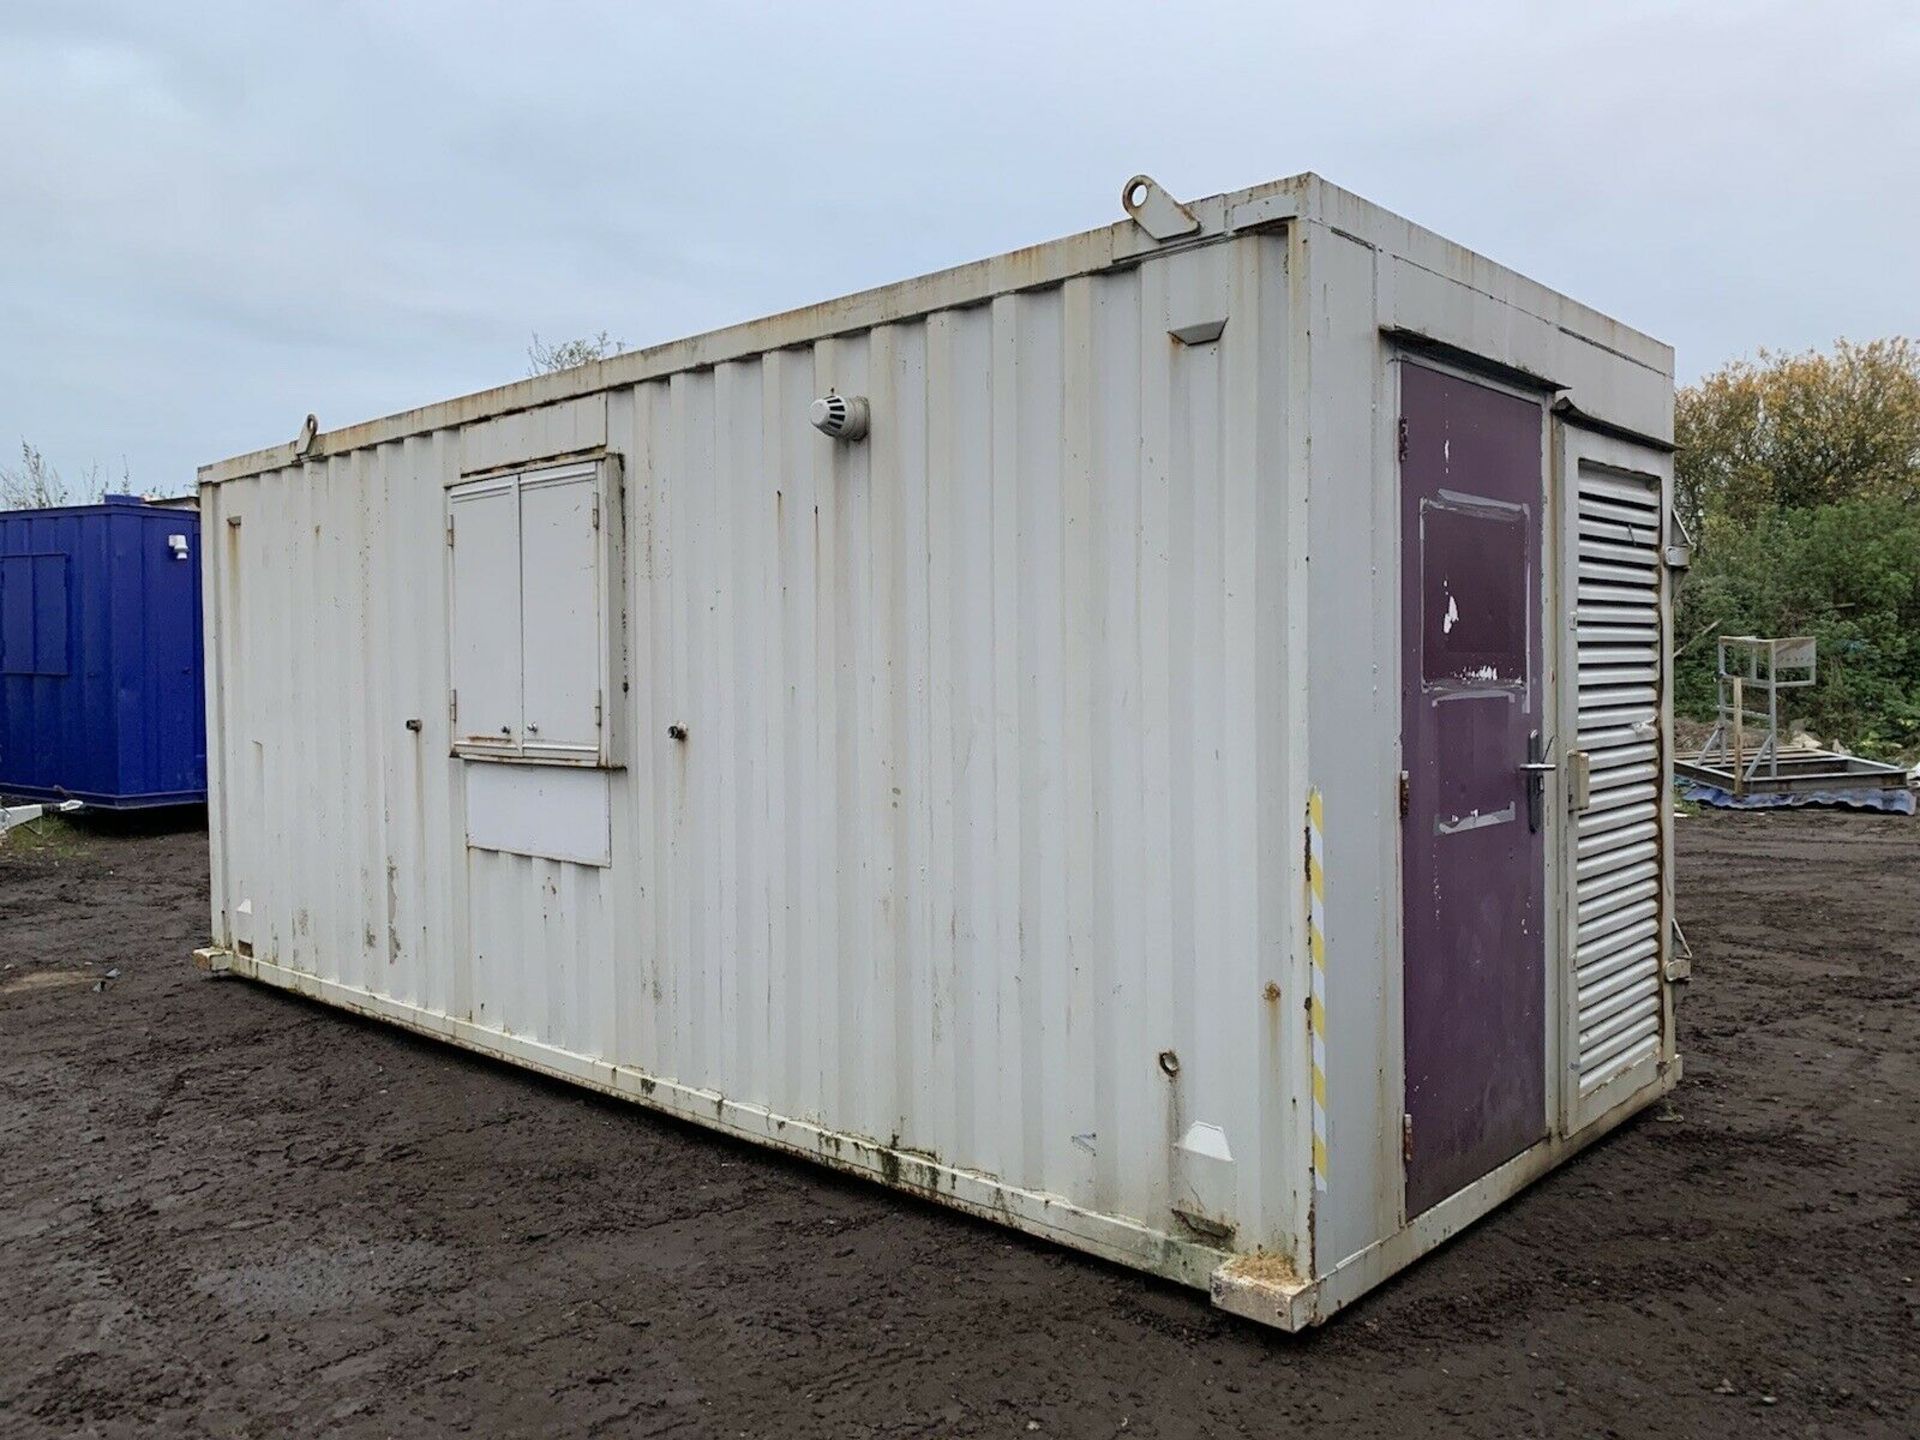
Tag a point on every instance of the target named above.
point(1262, 1287)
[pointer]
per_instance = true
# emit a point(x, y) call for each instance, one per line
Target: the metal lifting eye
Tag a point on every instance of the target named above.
point(1155, 211)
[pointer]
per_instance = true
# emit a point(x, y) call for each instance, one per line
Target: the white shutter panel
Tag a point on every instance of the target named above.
point(560, 562)
point(1616, 886)
point(484, 526)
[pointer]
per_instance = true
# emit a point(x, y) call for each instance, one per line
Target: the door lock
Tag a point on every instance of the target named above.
point(1536, 767)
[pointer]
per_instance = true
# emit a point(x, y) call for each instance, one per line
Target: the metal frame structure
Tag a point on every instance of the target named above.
point(1769, 666)
point(16, 815)
point(1751, 671)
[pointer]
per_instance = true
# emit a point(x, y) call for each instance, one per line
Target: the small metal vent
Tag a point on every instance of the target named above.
point(840, 417)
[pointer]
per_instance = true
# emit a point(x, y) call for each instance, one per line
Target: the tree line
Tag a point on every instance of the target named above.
point(1799, 478)
point(34, 484)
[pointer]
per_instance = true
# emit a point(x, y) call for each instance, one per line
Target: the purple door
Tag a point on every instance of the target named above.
point(1474, 858)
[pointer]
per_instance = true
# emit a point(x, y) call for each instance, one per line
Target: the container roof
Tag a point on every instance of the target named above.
point(1299, 197)
point(110, 502)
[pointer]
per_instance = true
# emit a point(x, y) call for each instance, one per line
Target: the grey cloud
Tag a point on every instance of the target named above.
point(218, 217)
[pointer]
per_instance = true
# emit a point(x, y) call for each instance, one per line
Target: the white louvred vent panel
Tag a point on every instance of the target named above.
point(1616, 901)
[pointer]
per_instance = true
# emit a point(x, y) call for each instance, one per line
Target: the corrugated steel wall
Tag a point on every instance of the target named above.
point(972, 817)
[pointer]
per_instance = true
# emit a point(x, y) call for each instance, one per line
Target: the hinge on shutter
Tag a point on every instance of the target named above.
point(453, 707)
point(1403, 437)
point(1679, 554)
point(598, 696)
point(1406, 1138)
point(1679, 966)
point(1406, 795)
point(449, 530)
point(596, 512)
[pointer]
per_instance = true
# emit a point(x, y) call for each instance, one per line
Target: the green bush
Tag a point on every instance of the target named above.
point(1846, 573)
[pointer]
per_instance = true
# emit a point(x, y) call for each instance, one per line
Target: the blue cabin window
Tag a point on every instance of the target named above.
point(33, 614)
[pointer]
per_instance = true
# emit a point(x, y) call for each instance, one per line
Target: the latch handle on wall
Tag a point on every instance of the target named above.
point(1579, 780)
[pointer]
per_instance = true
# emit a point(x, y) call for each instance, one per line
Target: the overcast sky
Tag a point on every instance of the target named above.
point(215, 218)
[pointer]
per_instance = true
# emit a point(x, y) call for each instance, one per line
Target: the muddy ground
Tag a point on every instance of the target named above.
point(225, 1211)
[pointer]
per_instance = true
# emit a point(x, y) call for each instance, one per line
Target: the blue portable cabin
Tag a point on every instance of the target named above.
point(100, 655)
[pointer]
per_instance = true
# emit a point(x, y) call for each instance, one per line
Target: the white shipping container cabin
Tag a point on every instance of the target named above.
point(1187, 782)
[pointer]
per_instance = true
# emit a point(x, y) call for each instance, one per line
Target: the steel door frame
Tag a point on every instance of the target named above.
point(1554, 698)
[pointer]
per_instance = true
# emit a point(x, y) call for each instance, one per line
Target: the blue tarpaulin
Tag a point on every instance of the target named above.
point(1898, 801)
